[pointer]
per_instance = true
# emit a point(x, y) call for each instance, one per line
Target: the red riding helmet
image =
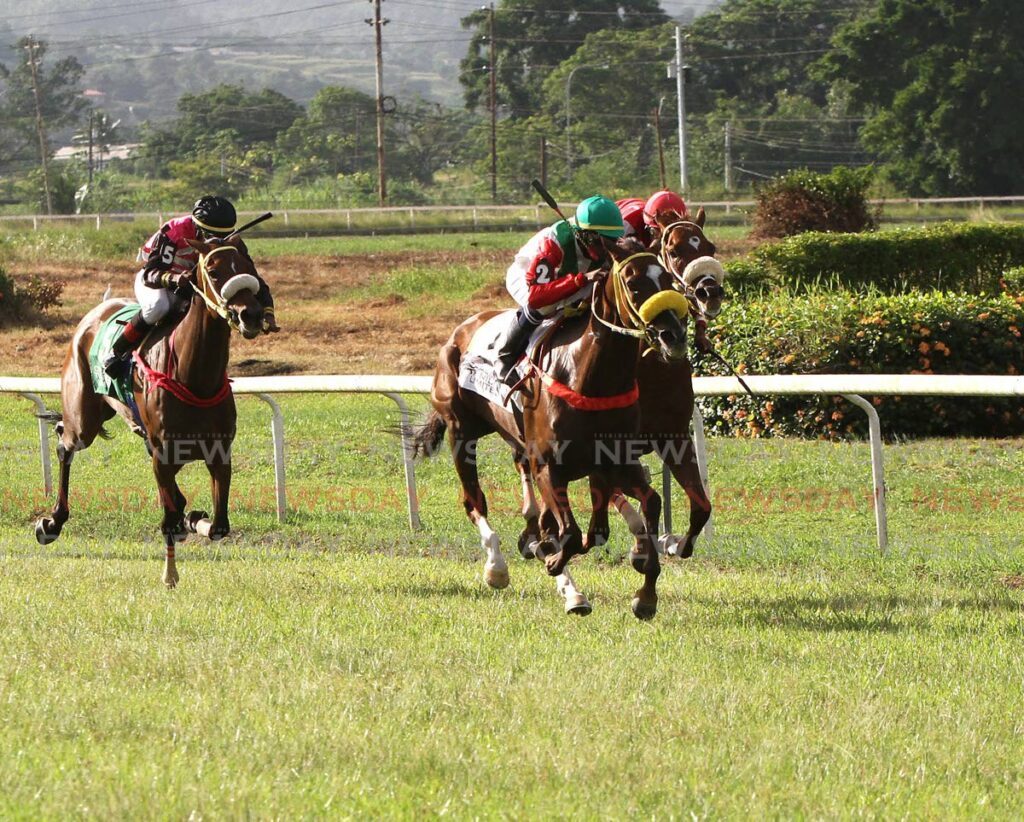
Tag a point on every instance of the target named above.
point(663, 201)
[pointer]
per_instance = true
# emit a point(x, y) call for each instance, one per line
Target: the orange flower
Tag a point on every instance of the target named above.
point(924, 348)
point(941, 348)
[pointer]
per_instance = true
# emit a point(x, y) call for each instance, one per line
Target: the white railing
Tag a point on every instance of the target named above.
point(474, 212)
point(851, 386)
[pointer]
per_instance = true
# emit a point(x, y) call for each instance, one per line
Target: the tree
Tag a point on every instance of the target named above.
point(941, 80)
point(431, 138)
point(226, 120)
point(617, 80)
point(752, 50)
point(531, 38)
point(337, 135)
point(60, 102)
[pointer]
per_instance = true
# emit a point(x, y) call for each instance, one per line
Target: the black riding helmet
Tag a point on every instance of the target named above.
point(215, 215)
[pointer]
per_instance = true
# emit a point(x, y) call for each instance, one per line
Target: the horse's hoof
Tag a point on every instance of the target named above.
point(193, 519)
point(495, 576)
point(528, 545)
point(171, 580)
point(578, 605)
point(638, 561)
point(44, 536)
point(644, 610)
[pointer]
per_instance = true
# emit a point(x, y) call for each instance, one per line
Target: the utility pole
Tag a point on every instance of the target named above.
point(90, 146)
point(544, 161)
point(378, 24)
point(681, 71)
point(728, 156)
point(661, 148)
point(494, 104)
point(40, 128)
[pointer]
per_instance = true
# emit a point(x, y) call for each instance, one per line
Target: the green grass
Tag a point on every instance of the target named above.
point(339, 665)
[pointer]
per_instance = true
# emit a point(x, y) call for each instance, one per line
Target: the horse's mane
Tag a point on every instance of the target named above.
point(630, 245)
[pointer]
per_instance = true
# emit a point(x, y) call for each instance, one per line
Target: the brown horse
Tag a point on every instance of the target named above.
point(582, 407)
point(183, 396)
point(666, 388)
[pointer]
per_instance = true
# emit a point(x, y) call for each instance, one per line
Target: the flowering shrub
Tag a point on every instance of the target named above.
point(846, 333)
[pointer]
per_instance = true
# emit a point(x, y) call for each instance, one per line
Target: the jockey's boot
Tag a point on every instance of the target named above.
point(132, 334)
point(512, 346)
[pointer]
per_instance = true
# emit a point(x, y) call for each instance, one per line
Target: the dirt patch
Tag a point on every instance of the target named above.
point(1013, 581)
point(326, 328)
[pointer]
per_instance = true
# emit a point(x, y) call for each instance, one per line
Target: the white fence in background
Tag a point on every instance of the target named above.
point(474, 213)
point(853, 387)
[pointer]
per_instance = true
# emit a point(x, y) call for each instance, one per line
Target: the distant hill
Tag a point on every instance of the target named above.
point(142, 56)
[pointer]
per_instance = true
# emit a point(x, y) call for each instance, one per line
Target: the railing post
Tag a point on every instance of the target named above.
point(44, 441)
point(700, 446)
point(410, 467)
point(877, 470)
point(277, 431)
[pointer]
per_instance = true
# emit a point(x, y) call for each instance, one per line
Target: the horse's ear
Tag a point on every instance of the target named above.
point(701, 216)
point(200, 246)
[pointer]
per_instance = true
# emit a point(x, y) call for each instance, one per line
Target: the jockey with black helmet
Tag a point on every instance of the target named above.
point(162, 284)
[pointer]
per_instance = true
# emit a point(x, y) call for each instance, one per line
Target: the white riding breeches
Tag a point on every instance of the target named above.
point(156, 303)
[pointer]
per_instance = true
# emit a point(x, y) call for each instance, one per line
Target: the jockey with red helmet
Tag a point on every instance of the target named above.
point(162, 285)
point(555, 269)
point(641, 217)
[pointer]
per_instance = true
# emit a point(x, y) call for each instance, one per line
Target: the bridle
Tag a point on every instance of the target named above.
point(217, 300)
point(637, 320)
point(689, 290)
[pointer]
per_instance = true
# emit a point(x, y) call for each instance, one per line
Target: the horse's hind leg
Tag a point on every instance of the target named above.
point(473, 500)
point(76, 433)
point(173, 524)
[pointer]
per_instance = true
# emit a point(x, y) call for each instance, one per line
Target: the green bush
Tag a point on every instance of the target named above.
point(809, 201)
point(845, 333)
point(953, 256)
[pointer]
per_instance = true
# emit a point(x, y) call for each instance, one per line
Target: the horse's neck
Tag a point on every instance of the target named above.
point(201, 344)
point(605, 361)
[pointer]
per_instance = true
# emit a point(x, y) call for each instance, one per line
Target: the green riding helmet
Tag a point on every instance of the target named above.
point(601, 215)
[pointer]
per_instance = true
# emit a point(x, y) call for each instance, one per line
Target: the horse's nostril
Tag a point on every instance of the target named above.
point(250, 316)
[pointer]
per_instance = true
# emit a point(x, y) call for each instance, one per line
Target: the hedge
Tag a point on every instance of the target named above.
point(845, 333)
point(805, 200)
point(952, 256)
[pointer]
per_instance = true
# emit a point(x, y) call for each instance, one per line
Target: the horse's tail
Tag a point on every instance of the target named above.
point(427, 438)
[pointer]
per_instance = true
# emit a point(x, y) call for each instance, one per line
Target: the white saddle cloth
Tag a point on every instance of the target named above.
point(476, 370)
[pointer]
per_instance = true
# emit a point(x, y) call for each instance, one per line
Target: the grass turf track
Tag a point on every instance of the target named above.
point(337, 665)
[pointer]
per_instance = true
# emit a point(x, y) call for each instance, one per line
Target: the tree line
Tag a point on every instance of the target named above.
point(922, 89)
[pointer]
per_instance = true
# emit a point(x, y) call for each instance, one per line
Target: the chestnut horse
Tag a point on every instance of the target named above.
point(582, 405)
point(666, 394)
point(181, 390)
point(666, 388)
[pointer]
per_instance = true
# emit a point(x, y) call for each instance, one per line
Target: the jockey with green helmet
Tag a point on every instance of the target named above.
point(555, 269)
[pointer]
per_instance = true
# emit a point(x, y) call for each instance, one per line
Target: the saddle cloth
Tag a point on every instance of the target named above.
point(120, 389)
point(476, 370)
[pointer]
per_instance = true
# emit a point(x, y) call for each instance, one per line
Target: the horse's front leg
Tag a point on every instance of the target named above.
point(173, 525)
point(681, 458)
point(220, 484)
point(561, 537)
point(644, 556)
point(600, 498)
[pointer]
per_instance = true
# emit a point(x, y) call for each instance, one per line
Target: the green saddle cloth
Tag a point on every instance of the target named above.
point(120, 388)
